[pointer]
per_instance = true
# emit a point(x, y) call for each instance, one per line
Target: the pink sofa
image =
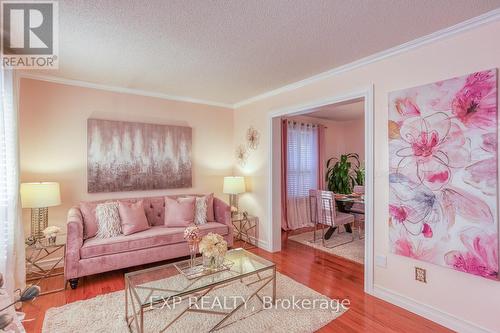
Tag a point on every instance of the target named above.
point(91, 256)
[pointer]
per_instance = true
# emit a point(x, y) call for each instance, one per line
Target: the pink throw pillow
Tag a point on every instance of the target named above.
point(210, 207)
point(89, 219)
point(180, 212)
point(132, 217)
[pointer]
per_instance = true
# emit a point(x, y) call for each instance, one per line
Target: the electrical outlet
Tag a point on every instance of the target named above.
point(420, 274)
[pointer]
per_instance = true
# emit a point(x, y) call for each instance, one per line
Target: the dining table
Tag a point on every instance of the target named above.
point(344, 203)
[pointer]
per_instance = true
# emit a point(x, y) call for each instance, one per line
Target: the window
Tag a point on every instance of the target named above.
point(302, 159)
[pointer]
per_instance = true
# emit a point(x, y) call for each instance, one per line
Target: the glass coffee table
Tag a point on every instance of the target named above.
point(168, 285)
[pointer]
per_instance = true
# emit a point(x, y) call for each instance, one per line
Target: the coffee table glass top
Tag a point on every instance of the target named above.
point(166, 281)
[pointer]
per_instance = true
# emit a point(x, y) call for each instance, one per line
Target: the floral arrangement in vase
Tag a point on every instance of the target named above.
point(192, 233)
point(192, 236)
point(51, 233)
point(213, 247)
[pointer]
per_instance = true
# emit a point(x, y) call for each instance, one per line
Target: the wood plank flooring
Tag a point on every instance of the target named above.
point(330, 275)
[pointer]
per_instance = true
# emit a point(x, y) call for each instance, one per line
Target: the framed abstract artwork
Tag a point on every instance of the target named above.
point(127, 156)
point(443, 173)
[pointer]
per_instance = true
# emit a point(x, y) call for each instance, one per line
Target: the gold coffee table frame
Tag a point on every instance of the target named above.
point(245, 264)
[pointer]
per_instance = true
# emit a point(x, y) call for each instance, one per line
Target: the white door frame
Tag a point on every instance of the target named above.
point(274, 173)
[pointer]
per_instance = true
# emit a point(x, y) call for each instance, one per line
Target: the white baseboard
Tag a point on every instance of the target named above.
point(259, 243)
point(429, 312)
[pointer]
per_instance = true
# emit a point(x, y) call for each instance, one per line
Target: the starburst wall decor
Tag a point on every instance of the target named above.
point(242, 155)
point(252, 143)
point(253, 137)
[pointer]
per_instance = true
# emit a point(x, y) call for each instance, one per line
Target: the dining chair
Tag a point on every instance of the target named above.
point(323, 212)
point(358, 210)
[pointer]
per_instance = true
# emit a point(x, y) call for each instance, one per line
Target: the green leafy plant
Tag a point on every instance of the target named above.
point(340, 176)
point(360, 176)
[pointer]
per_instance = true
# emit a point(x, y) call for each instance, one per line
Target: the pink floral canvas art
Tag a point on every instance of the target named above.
point(443, 173)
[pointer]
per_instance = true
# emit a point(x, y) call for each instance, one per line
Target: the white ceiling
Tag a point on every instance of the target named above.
point(228, 51)
point(347, 111)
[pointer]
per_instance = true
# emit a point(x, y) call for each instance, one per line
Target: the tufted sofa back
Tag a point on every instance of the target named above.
point(154, 207)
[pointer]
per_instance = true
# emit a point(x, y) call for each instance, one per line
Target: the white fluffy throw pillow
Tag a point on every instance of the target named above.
point(108, 220)
point(200, 211)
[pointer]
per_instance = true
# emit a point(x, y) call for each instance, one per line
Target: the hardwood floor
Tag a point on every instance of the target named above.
point(323, 272)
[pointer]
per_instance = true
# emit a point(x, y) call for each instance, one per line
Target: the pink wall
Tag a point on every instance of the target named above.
point(448, 293)
point(53, 138)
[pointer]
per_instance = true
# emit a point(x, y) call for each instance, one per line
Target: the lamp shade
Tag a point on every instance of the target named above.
point(234, 185)
point(40, 195)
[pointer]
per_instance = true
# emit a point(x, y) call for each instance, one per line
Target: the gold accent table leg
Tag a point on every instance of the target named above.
point(36, 273)
point(142, 319)
point(274, 285)
point(126, 300)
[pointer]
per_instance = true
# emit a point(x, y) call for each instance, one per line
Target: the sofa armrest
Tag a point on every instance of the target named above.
point(222, 212)
point(74, 242)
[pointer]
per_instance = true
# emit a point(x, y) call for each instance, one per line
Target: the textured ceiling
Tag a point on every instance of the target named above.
point(228, 51)
point(345, 111)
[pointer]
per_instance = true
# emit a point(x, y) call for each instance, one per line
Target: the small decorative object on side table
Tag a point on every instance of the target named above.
point(234, 186)
point(192, 236)
point(36, 253)
point(245, 224)
point(51, 234)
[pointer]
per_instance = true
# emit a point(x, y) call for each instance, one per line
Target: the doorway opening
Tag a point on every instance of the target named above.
point(322, 176)
point(304, 139)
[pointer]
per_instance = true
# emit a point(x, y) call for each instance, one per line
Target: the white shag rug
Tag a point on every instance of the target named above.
point(354, 251)
point(106, 313)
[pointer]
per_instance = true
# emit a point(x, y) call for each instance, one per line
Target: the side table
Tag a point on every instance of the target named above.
point(244, 226)
point(36, 253)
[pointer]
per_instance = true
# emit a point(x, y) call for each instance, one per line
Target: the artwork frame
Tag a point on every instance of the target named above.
point(443, 173)
point(136, 156)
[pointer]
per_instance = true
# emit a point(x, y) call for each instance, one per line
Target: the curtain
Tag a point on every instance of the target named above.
point(302, 172)
point(321, 158)
point(12, 257)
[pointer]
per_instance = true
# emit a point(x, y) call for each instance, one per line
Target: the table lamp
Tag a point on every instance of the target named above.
point(39, 197)
point(234, 186)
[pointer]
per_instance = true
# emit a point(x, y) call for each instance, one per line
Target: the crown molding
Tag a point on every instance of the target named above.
point(469, 24)
point(91, 85)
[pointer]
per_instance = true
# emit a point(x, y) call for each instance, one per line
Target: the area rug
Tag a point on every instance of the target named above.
point(354, 251)
point(105, 313)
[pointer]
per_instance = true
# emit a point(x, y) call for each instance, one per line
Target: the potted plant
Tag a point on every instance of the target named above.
point(340, 177)
point(360, 176)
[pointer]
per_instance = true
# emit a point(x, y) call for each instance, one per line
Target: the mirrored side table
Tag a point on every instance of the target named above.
point(38, 266)
point(246, 229)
